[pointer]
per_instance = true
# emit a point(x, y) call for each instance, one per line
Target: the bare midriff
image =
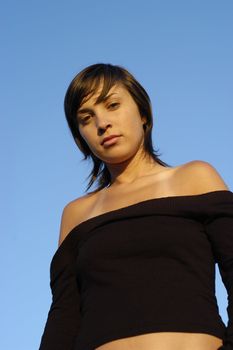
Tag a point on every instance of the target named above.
point(165, 341)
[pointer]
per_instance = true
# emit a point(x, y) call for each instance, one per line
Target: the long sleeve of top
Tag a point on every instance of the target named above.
point(64, 318)
point(219, 228)
point(145, 268)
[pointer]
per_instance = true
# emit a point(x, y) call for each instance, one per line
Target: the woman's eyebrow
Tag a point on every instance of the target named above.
point(85, 110)
point(106, 97)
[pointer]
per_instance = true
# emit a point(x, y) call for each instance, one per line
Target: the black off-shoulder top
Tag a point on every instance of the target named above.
point(148, 267)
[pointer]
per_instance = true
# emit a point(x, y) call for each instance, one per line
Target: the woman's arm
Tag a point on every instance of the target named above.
point(64, 317)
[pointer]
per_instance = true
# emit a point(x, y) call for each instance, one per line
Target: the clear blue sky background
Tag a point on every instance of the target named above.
point(181, 52)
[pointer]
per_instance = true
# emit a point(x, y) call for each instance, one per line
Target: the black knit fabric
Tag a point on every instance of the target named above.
point(148, 267)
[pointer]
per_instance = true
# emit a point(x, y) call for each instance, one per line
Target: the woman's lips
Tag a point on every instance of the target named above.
point(111, 141)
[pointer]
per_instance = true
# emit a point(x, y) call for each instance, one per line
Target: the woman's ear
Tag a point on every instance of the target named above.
point(144, 121)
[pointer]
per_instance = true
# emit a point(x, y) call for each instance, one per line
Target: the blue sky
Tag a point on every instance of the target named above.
point(180, 51)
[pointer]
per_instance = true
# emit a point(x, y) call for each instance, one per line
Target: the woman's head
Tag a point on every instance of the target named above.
point(121, 106)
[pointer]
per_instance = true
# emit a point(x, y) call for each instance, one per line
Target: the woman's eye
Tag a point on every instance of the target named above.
point(113, 105)
point(85, 119)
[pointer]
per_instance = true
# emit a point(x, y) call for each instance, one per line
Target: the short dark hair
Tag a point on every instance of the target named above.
point(84, 85)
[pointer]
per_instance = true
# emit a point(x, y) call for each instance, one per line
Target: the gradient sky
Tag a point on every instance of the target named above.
point(180, 51)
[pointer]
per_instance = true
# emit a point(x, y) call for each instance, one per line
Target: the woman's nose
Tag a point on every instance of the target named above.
point(102, 123)
point(102, 127)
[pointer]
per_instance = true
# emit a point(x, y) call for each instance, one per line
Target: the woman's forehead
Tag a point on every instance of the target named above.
point(100, 93)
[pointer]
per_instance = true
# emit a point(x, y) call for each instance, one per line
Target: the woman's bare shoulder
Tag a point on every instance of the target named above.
point(202, 176)
point(73, 213)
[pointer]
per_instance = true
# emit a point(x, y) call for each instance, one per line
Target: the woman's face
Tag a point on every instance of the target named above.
point(118, 114)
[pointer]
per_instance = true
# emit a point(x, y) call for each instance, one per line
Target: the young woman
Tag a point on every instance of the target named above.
point(135, 266)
